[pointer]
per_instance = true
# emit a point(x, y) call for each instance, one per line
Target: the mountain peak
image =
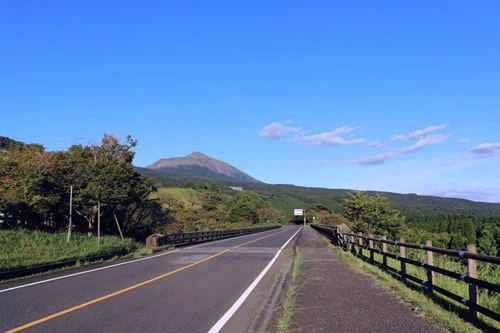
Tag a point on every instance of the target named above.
point(197, 154)
point(199, 165)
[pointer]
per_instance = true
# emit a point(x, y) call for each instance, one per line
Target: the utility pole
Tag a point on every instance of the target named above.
point(70, 211)
point(305, 217)
point(98, 223)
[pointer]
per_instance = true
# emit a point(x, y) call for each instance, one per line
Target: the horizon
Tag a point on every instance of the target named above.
point(386, 97)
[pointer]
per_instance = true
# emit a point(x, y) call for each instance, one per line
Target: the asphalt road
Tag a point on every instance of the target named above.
point(188, 290)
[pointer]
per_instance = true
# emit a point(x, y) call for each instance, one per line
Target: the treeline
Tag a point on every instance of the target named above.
point(202, 206)
point(455, 231)
point(7, 144)
point(373, 214)
point(102, 187)
point(35, 188)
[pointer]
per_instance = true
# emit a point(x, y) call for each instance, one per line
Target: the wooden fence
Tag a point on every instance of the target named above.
point(359, 242)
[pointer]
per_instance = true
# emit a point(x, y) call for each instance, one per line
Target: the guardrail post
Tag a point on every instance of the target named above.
point(402, 254)
point(384, 250)
point(472, 272)
point(353, 246)
point(430, 261)
point(370, 246)
point(360, 243)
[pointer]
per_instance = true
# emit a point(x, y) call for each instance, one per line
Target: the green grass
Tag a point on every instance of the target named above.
point(445, 317)
point(24, 248)
point(288, 300)
point(487, 272)
point(186, 196)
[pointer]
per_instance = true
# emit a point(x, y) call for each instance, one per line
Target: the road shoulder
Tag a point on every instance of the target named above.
point(333, 297)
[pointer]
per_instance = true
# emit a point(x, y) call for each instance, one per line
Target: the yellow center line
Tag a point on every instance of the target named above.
point(135, 286)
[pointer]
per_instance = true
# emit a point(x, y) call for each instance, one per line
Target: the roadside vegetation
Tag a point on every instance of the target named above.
point(25, 248)
point(290, 295)
point(372, 215)
point(206, 207)
point(422, 304)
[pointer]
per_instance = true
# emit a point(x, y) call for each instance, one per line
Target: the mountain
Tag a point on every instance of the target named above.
point(198, 166)
point(178, 171)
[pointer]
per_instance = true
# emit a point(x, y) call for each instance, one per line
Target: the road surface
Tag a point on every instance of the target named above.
point(187, 290)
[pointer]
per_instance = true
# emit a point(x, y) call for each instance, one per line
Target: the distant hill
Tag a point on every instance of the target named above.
point(197, 166)
point(287, 197)
point(7, 144)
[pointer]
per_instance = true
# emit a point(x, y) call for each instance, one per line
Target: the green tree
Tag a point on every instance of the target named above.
point(372, 214)
point(269, 214)
point(34, 188)
point(245, 207)
point(28, 191)
point(487, 242)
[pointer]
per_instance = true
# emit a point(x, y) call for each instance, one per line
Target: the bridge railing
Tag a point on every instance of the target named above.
point(185, 238)
point(360, 243)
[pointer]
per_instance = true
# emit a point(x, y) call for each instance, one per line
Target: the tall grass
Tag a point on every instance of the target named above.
point(24, 248)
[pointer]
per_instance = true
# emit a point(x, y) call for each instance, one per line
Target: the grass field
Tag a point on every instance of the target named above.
point(24, 248)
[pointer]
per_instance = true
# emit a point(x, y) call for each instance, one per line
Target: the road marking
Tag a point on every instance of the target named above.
point(232, 310)
point(115, 265)
point(135, 286)
point(85, 272)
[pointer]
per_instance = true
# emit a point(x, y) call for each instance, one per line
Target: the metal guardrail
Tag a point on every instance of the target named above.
point(177, 239)
point(185, 238)
point(358, 243)
point(23, 272)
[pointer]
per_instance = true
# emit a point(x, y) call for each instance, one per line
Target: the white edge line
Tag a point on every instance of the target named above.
point(111, 266)
point(85, 272)
point(232, 310)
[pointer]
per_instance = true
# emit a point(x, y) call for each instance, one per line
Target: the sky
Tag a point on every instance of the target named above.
point(392, 96)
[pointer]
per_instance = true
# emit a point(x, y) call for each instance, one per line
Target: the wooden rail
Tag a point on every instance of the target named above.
point(359, 242)
point(184, 238)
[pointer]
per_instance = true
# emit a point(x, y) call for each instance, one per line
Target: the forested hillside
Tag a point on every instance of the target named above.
point(7, 144)
point(287, 197)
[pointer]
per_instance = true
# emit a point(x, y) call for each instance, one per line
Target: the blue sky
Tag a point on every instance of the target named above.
point(373, 95)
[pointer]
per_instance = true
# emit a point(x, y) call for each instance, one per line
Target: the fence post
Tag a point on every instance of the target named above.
point(384, 249)
point(472, 272)
point(370, 246)
point(338, 233)
point(353, 246)
point(360, 243)
point(430, 261)
point(402, 254)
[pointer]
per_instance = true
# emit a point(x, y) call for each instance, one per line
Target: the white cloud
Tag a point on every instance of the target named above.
point(376, 144)
point(398, 137)
point(426, 137)
point(331, 138)
point(463, 140)
point(277, 130)
point(345, 135)
point(280, 130)
point(433, 139)
point(475, 194)
point(374, 160)
point(486, 150)
point(418, 134)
